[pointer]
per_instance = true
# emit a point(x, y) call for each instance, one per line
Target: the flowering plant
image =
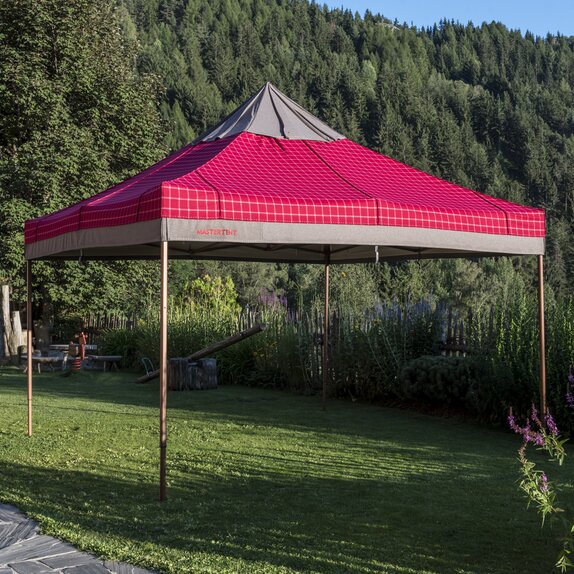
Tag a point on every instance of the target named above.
point(540, 491)
point(570, 390)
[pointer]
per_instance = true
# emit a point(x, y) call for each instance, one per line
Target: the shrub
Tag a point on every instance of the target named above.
point(123, 342)
point(481, 386)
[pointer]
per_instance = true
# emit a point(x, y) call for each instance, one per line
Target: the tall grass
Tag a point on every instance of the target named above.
point(369, 351)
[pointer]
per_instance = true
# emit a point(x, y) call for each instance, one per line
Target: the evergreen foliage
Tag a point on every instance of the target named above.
point(75, 117)
point(483, 106)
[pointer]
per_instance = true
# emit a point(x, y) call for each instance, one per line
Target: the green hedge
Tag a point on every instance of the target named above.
point(483, 387)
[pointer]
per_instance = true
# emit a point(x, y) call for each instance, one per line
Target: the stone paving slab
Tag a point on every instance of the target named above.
point(91, 568)
point(29, 567)
point(121, 568)
point(23, 550)
point(11, 533)
point(10, 513)
point(75, 558)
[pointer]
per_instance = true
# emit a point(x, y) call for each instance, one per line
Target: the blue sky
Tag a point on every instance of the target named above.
point(538, 16)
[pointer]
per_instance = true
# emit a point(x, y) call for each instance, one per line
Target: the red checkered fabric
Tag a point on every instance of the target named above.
point(248, 177)
point(408, 197)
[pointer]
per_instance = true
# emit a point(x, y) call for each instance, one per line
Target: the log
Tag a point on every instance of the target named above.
point(219, 346)
point(179, 376)
point(3, 340)
point(208, 374)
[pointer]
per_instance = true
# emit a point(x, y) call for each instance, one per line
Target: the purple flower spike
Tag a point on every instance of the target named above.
point(527, 434)
point(571, 378)
point(512, 423)
point(538, 439)
point(551, 424)
point(543, 483)
point(533, 413)
point(570, 399)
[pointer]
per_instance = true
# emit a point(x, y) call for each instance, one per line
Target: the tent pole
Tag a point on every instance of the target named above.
point(326, 329)
point(163, 374)
point(29, 341)
point(542, 335)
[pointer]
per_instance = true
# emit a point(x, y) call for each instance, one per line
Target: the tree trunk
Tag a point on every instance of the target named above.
point(7, 326)
point(17, 338)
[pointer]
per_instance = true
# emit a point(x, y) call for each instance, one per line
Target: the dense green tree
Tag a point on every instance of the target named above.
point(481, 105)
point(75, 117)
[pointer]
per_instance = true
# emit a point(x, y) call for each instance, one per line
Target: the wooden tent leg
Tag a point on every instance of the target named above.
point(163, 374)
point(29, 369)
point(326, 331)
point(542, 335)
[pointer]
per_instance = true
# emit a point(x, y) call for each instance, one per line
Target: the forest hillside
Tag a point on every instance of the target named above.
point(92, 91)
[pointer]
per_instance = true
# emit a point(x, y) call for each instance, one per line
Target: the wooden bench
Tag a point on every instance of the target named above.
point(113, 360)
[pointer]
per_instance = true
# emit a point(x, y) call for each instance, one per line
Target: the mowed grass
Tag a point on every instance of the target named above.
point(264, 481)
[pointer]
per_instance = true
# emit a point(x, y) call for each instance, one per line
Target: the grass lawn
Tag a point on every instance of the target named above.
point(263, 481)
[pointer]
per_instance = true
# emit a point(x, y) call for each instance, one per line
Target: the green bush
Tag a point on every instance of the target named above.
point(123, 342)
point(481, 386)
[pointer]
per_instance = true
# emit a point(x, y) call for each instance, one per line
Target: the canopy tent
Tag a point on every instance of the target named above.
point(272, 182)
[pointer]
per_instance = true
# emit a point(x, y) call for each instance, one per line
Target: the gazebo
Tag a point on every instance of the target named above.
point(272, 182)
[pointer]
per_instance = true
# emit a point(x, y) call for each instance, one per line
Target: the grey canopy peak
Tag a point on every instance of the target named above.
point(271, 113)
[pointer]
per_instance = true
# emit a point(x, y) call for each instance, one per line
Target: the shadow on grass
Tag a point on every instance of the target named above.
point(109, 393)
point(354, 489)
point(258, 523)
point(244, 405)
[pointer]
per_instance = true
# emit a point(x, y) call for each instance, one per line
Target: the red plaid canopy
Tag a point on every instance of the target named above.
point(276, 196)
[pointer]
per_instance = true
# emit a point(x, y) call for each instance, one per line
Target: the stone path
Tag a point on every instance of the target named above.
point(23, 550)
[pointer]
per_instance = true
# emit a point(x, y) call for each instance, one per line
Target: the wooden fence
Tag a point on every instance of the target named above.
point(453, 339)
point(94, 324)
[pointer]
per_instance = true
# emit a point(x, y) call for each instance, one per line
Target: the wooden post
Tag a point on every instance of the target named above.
point(542, 335)
point(326, 329)
point(163, 374)
point(29, 342)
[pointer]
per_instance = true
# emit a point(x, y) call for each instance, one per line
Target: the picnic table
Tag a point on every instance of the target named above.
point(113, 360)
point(64, 348)
point(39, 361)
